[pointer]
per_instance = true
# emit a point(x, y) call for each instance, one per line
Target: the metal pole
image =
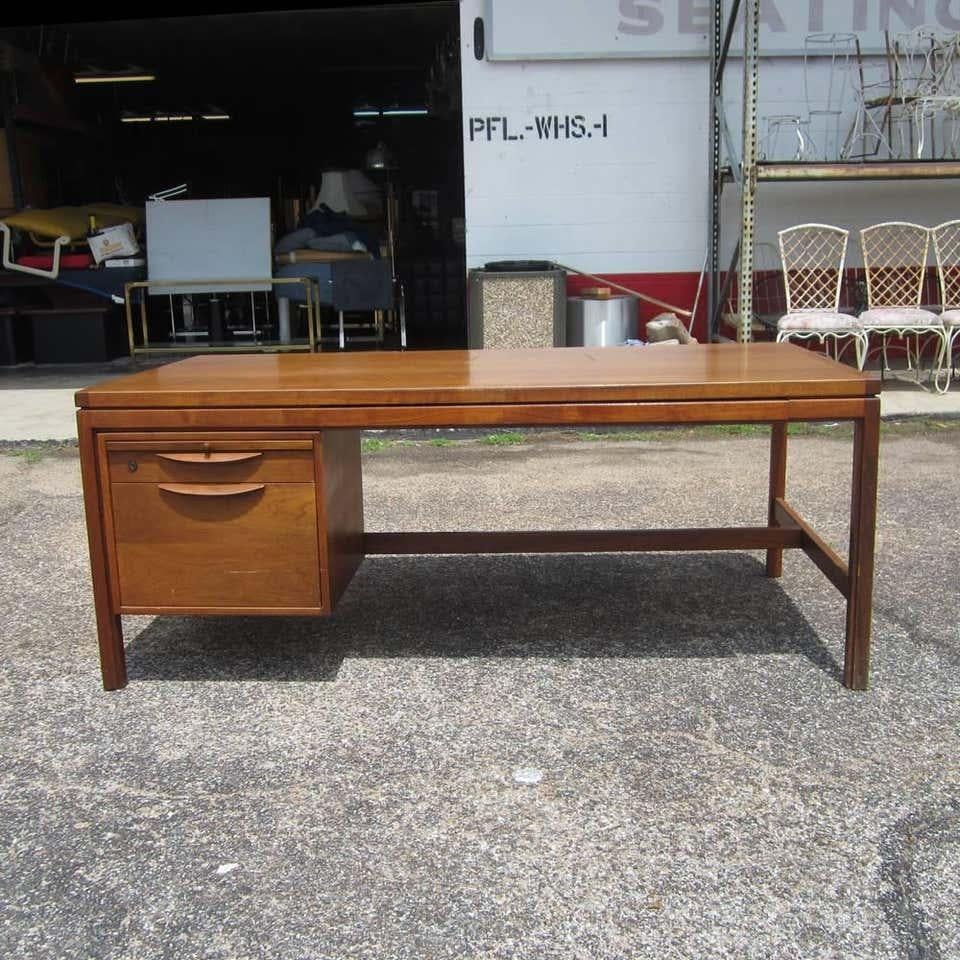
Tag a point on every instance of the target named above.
point(716, 181)
point(751, 30)
point(126, 303)
point(143, 320)
point(728, 36)
point(314, 333)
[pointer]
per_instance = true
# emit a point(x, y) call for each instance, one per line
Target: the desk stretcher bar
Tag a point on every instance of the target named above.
point(583, 541)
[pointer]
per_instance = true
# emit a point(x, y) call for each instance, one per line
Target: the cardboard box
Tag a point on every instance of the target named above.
point(118, 241)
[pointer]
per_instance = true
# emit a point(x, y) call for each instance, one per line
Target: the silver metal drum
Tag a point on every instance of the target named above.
point(601, 322)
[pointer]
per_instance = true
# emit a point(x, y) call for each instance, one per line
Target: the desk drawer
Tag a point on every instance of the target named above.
point(214, 461)
point(240, 544)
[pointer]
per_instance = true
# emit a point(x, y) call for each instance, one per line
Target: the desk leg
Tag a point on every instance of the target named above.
point(778, 488)
point(863, 520)
point(113, 664)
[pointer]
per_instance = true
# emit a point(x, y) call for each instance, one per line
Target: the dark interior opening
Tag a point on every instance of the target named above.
point(294, 94)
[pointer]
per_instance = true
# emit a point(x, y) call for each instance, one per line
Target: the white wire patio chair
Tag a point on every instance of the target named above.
point(870, 133)
point(946, 247)
point(829, 60)
point(786, 137)
point(813, 256)
point(895, 263)
point(927, 86)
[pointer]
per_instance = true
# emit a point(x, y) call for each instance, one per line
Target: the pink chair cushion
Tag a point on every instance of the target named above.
point(899, 317)
point(819, 320)
point(951, 318)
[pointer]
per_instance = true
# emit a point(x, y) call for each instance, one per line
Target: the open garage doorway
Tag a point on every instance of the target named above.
point(263, 105)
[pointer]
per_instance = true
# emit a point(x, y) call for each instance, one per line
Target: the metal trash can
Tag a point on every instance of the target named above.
point(601, 321)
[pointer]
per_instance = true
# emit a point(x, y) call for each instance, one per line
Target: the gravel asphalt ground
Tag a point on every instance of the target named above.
point(508, 757)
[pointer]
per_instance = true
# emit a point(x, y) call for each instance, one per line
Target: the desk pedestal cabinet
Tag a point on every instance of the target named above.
point(232, 485)
point(224, 524)
point(231, 523)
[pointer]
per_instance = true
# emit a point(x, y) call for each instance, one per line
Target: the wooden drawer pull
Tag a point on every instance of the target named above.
point(218, 457)
point(211, 489)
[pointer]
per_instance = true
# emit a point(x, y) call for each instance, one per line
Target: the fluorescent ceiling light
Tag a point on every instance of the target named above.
point(367, 112)
point(129, 117)
point(113, 77)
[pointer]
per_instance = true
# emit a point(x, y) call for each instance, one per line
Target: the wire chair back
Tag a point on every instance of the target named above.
point(946, 248)
point(812, 255)
point(828, 66)
point(924, 61)
point(895, 263)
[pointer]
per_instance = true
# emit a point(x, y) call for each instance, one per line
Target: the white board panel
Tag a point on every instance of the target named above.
point(203, 240)
point(617, 29)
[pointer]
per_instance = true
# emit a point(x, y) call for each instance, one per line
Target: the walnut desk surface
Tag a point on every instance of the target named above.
point(192, 468)
point(579, 374)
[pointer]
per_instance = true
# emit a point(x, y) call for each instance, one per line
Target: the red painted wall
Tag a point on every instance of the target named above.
point(769, 300)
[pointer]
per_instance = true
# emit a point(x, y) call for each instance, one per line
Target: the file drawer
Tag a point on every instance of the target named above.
point(218, 545)
point(219, 461)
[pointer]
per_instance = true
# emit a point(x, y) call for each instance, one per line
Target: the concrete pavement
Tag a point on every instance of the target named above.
point(36, 403)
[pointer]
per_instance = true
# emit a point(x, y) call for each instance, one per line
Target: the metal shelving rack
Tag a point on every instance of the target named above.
point(749, 173)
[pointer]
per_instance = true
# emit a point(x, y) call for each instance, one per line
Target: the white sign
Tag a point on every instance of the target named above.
point(604, 29)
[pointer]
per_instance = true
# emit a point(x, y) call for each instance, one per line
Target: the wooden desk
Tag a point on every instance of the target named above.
point(232, 485)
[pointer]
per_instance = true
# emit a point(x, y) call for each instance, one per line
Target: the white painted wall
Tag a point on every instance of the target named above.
point(635, 201)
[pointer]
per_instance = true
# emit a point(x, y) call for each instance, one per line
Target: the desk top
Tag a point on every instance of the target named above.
point(761, 371)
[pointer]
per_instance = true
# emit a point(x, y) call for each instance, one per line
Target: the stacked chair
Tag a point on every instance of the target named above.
point(895, 265)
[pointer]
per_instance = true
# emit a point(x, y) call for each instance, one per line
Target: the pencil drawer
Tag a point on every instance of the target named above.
point(211, 461)
point(225, 544)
